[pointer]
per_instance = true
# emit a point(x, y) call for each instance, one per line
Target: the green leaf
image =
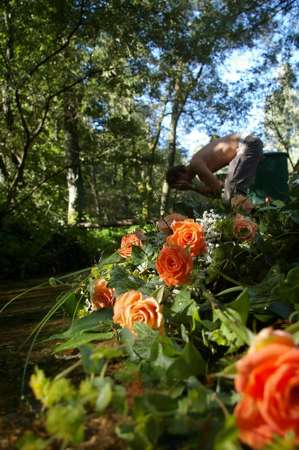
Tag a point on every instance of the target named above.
point(197, 398)
point(138, 256)
point(90, 365)
point(230, 290)
point(105, 395)
point(181, 302)
point(82, 339)
point(91, 322)
point(158, 295)
point(189, 363)
point(125, 431)
point(31, 442)
point(119, 400)
point(288, 290)
point(71, 303)
point(281, 309)
point(231, 332)
point(228, 436)
point(294, 330)
point(111, 259)
point(123, 281)
point(145, 338)
point(65, 422)
point(157, 403)
point(163, 352)
point(241, 305)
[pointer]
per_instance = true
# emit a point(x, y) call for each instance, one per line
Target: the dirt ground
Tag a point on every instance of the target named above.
point(17, 414)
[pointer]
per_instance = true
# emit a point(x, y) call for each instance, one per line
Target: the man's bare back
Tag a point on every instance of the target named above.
point(211, 158)
point(218, 153)
point(242, 156)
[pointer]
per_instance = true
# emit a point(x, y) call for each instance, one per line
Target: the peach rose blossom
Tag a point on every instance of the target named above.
point(241, 202)
point(265, 347)
point(244, 228)
point(127, 242)
point(270, 336)
point(174, 265)
point(131, 307)
point(253, 430)
point(268, 380)
point(189, 234)
point(164, 224)
point(134, 389)
point(101, 295)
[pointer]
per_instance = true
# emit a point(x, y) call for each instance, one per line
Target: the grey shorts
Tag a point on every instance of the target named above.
point(242, 169)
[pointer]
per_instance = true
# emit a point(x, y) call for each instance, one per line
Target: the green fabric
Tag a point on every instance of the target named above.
point(271, 177)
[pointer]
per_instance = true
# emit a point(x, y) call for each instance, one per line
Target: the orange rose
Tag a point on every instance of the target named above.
point(101, 295)
point(190, 234)
point(126, 244)
point(131, 307)
point(164, 224)
point(268, 379)
point(244, 229)
point(174, 265)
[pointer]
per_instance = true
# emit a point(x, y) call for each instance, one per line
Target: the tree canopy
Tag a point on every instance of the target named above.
point(92, 93)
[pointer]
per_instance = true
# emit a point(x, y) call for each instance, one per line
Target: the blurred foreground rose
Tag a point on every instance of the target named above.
point(164, 224)
point(126, 244)
point(134, 389)
point(131, 307)
point(174, 265)
point(241, 202)
point(268, 380)
point(101, 295)
point(244, 228)
point(189, 234)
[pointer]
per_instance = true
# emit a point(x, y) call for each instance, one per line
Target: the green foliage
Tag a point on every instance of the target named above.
point(30, 442)
point(94, 327)
point(65, 423)
point(173, 386)
point(31, 250)
point(79, 94)
point(50, 393)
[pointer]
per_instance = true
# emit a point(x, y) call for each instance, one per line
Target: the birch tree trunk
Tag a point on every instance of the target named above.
point(72, 152)
point(185, 82)
point(172, 139)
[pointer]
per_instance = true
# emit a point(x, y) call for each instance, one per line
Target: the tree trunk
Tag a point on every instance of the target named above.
point(172, 138)
point(94, 191)
point(72, 152)
point(182, 89)
point(7, 89)
point(150, 186)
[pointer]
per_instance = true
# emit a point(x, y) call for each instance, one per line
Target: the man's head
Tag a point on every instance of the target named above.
point(253, 145)
point(178, 177)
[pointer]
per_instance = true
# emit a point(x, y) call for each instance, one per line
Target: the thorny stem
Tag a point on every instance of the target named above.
point(228, 278)
point(68, 370)
point(221, 405)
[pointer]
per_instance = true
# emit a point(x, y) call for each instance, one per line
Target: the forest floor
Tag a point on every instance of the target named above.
point(21, 414)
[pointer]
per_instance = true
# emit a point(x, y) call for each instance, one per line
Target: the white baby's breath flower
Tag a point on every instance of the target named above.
point(209, 220)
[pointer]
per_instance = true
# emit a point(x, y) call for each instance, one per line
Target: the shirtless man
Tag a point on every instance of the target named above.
point(242, 156)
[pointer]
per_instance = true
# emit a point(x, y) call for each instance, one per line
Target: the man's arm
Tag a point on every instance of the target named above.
point(208, 192)
point(211, 182)
point(200, 188)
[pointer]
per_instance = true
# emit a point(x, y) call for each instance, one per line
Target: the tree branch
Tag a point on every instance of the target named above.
point(282, 141)
point(63, 46)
